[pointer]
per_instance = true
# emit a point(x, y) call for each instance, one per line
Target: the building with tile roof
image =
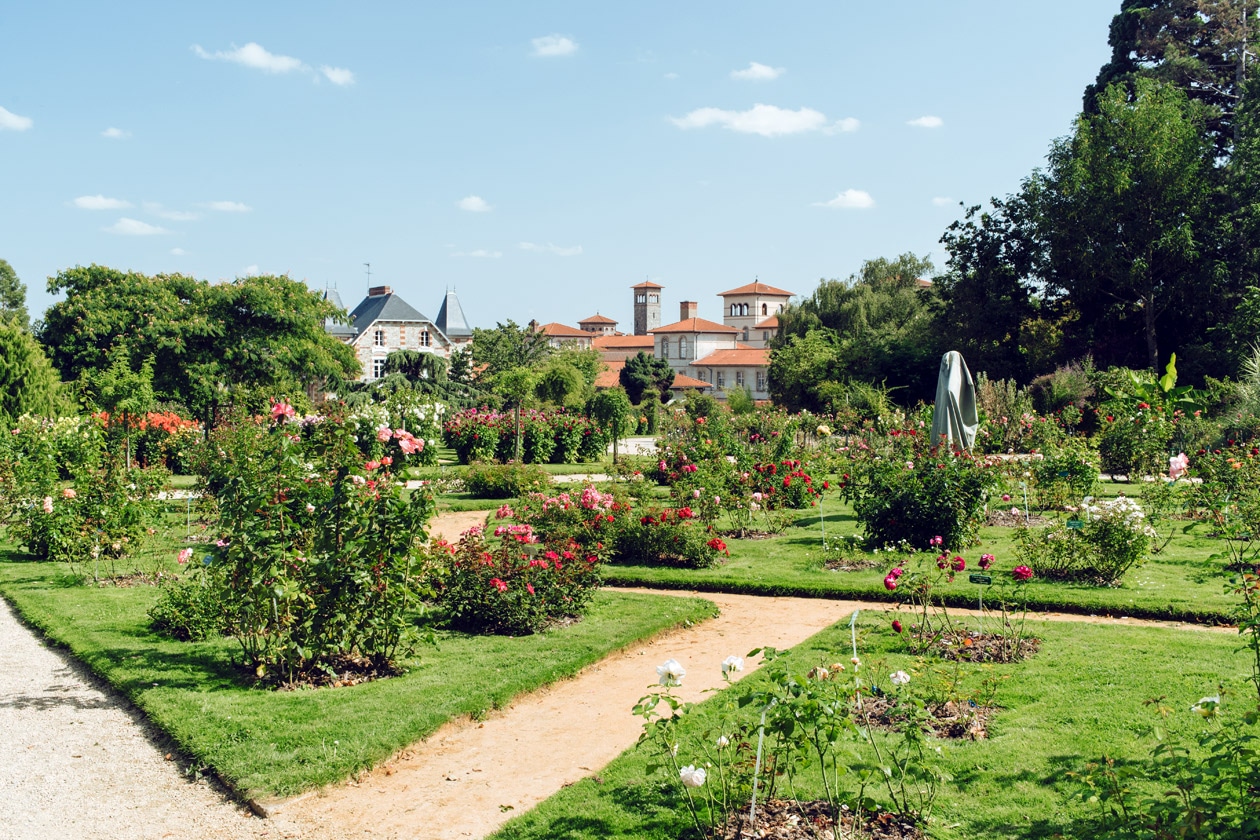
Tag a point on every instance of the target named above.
point(383, 322)
point(751, 304)
point(563, 336)
point(598, 324)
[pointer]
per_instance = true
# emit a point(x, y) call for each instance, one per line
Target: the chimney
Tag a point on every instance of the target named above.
point(688, 309)
point(380, 291)
point(533, 325)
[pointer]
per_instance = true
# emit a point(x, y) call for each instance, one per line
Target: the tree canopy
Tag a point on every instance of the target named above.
point(212, 344)
point(12, 297)
point(643, 373)
point(28, 383)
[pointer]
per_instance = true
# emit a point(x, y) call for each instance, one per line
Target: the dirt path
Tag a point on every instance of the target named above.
point(470, 777)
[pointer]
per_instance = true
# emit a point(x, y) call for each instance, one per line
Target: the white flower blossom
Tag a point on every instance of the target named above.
point(692, 776)
point(899, 678)
point(1207, 706)
point(732, 663)
point(723, 741)
point(670, 672)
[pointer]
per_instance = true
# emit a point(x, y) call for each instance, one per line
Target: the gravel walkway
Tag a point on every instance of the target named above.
point(77, 762)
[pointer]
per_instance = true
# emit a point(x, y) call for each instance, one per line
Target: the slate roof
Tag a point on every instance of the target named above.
point(332, 327)
point(388, 307)
point(757, 288)
point(450, 319)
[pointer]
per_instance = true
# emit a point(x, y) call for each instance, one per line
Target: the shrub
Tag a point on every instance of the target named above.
point(1065, 474)
point(318, 551)
point(190, 610)
point(669, 537)
point(504, 481)
point(911, 495)
point(1135, 441)
point(785, 485)
point(1113, 536)
point(514, 583)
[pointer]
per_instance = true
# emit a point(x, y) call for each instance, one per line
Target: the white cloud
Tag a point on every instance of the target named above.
point(99, 202)
point(849, 199)
point(12, 122)
point(480, 253)
point(549, 248)
point(115, 133)
point(255, 56)
point(845, 125)
point(756, 72)
point(249, 271)
point(942, 201)
point(926, 122)
point(549, 46)
point(133, 227)
point(228, 206)
point(474, 204)
point(766, 120)
point(338, 75)
point(178, 252)
point(161, 212)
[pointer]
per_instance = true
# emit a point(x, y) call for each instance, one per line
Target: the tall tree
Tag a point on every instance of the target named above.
point(1129, 213)
point(211, 344)
point(507, 346)
point(28, 383)
point(12, 297)
point(1204, 47)
point(643, 373)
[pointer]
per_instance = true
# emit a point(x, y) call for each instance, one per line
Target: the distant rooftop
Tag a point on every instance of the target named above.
point(382, 304)
point(757, 288)
point(450, 319)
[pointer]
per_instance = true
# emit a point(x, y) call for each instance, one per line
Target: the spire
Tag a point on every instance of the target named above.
point(450, 318)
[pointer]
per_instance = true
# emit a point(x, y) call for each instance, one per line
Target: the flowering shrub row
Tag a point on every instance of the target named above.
point(1110, 538)
point(558, 437)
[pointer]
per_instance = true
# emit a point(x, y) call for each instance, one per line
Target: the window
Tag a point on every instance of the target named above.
point(745, 333)
point(765, 336)
point(378, 338)
point(378, 368)
point(664, 348)
point(721, 379)
point(682, 348)
point(739, 378)
point(424, 338)
point(734, 310)
point(763, 309)
point(761, 380)
point(743, 309)
point(654, 298)
point(640, 298)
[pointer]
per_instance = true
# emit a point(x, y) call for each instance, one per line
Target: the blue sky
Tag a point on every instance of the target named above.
point(538, 157)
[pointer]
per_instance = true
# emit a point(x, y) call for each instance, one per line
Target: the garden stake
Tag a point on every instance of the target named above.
point(761, 739)
point(853, 631)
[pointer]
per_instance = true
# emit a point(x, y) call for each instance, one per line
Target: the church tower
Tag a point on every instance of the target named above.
point(647, 306)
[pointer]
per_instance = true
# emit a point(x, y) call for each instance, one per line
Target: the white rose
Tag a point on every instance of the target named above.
point(670, 672)
point(732, 663)
point(899, 678)
point(692, 776)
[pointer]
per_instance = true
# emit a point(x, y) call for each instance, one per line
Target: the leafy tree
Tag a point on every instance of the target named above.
point(800, 367)
point(211, 344)
point(643, 373)
point(560, 383)
point(515, 386)
point(124, 393)
point(417, 366)
point(1127, 211)
point(28, 383)
point(1200, 46)
point(880, 322)
point(740, 400)
point(12, 297)
point(611, 407)
point(506, 347)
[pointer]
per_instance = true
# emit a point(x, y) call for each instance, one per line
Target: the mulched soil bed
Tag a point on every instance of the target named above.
point(969, 646)
point(1006, 519)
point(959, 721)
point(852, 564)
point(785, 819)
point(337, 673)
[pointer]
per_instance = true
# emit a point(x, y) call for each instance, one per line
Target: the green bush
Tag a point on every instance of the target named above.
point(505, 481)
point(669, 537)
point(1113, 537)
point(1134, 441)
point(910, 494)
point(1065, 474)
point(190, 610)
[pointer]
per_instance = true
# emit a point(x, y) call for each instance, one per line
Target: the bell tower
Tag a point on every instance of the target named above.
point(647, 306)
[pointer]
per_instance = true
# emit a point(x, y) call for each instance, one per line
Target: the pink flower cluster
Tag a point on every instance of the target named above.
point(890, 581)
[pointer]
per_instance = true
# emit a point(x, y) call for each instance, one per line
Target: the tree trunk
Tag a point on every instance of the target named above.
point(1152, 345)
point(518, 433)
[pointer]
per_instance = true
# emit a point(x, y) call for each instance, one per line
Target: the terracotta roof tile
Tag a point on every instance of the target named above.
point(771, 323)
point(735, 358)
point(757, 288)
point(562, 331)
point(695, 325)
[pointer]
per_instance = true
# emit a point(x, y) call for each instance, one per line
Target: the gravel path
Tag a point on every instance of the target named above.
point(77, 762)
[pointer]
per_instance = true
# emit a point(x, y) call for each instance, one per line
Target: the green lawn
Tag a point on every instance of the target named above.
point(1178, 583)
point(266, 743)
point(1077, 699)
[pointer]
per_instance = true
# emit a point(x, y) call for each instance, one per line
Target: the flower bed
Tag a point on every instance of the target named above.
point(479, 434)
